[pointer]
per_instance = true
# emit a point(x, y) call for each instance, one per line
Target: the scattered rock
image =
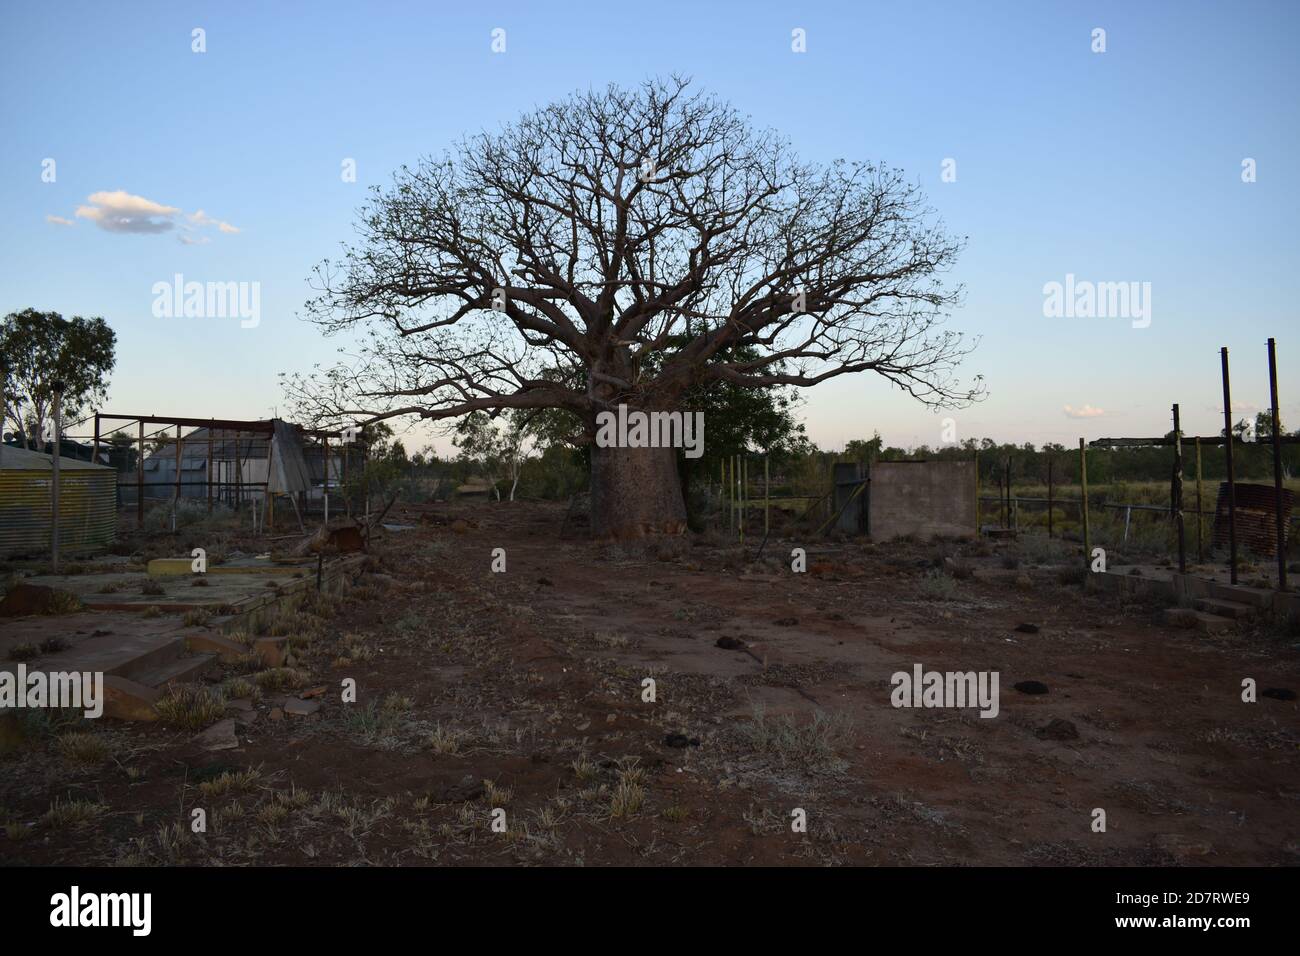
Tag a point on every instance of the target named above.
point(1024, 582)
point(1027, 628)
point(1031, 687)
point(681, 740)
point(729, 643)
point(460, 526)
point(1059, 729)
point(301, 708)
point(1278, 693)
point(318, 691)
point(548, 583)
point(786, 621)
point(241, 705)
point(277, 713)
point(220, 736)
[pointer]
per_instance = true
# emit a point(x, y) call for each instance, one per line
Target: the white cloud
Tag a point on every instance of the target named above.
point(1085, 411)
point(120, 211)
point(201, 218)
point(194, 240)
point(1243, 408)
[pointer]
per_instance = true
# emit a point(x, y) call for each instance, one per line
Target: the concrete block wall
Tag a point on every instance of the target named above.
point(922, 498)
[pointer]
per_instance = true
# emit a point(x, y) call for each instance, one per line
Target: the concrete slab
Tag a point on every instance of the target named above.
point(1198, 620)
point(124, 591)
point(1233, 609)
point(126, 700)
point(97, 641)
point(160, 567)
point(1240, 594)
point(209, 642)
point(140, 653)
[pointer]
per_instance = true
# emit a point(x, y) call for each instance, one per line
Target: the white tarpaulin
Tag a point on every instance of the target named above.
point(288, 472)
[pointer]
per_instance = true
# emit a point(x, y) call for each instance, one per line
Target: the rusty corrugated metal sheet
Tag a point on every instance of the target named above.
point(1256, 524)
point(87, 510)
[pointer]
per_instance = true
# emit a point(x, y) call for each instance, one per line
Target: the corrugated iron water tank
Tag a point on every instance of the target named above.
point(87, 503)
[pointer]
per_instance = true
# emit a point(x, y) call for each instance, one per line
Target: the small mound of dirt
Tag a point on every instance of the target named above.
point(1058, 729)
point(729, 643)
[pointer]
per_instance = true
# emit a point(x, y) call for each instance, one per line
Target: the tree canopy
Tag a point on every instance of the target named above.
point(622, 229)
point(38, 349)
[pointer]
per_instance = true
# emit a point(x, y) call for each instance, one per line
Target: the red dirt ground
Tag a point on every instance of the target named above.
point(536, 675)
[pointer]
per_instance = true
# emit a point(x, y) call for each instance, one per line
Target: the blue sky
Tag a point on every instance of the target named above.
point(1118, 166)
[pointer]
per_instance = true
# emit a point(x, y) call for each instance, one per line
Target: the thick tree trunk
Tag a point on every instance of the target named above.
point(635, 492)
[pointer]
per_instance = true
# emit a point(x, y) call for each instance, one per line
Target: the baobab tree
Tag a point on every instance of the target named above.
point(624, 246)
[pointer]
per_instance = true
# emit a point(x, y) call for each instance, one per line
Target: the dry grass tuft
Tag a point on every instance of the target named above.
point(190, 706)
point(281, 678)
point(230, 781)
point(73, 813)
point(85, 748)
